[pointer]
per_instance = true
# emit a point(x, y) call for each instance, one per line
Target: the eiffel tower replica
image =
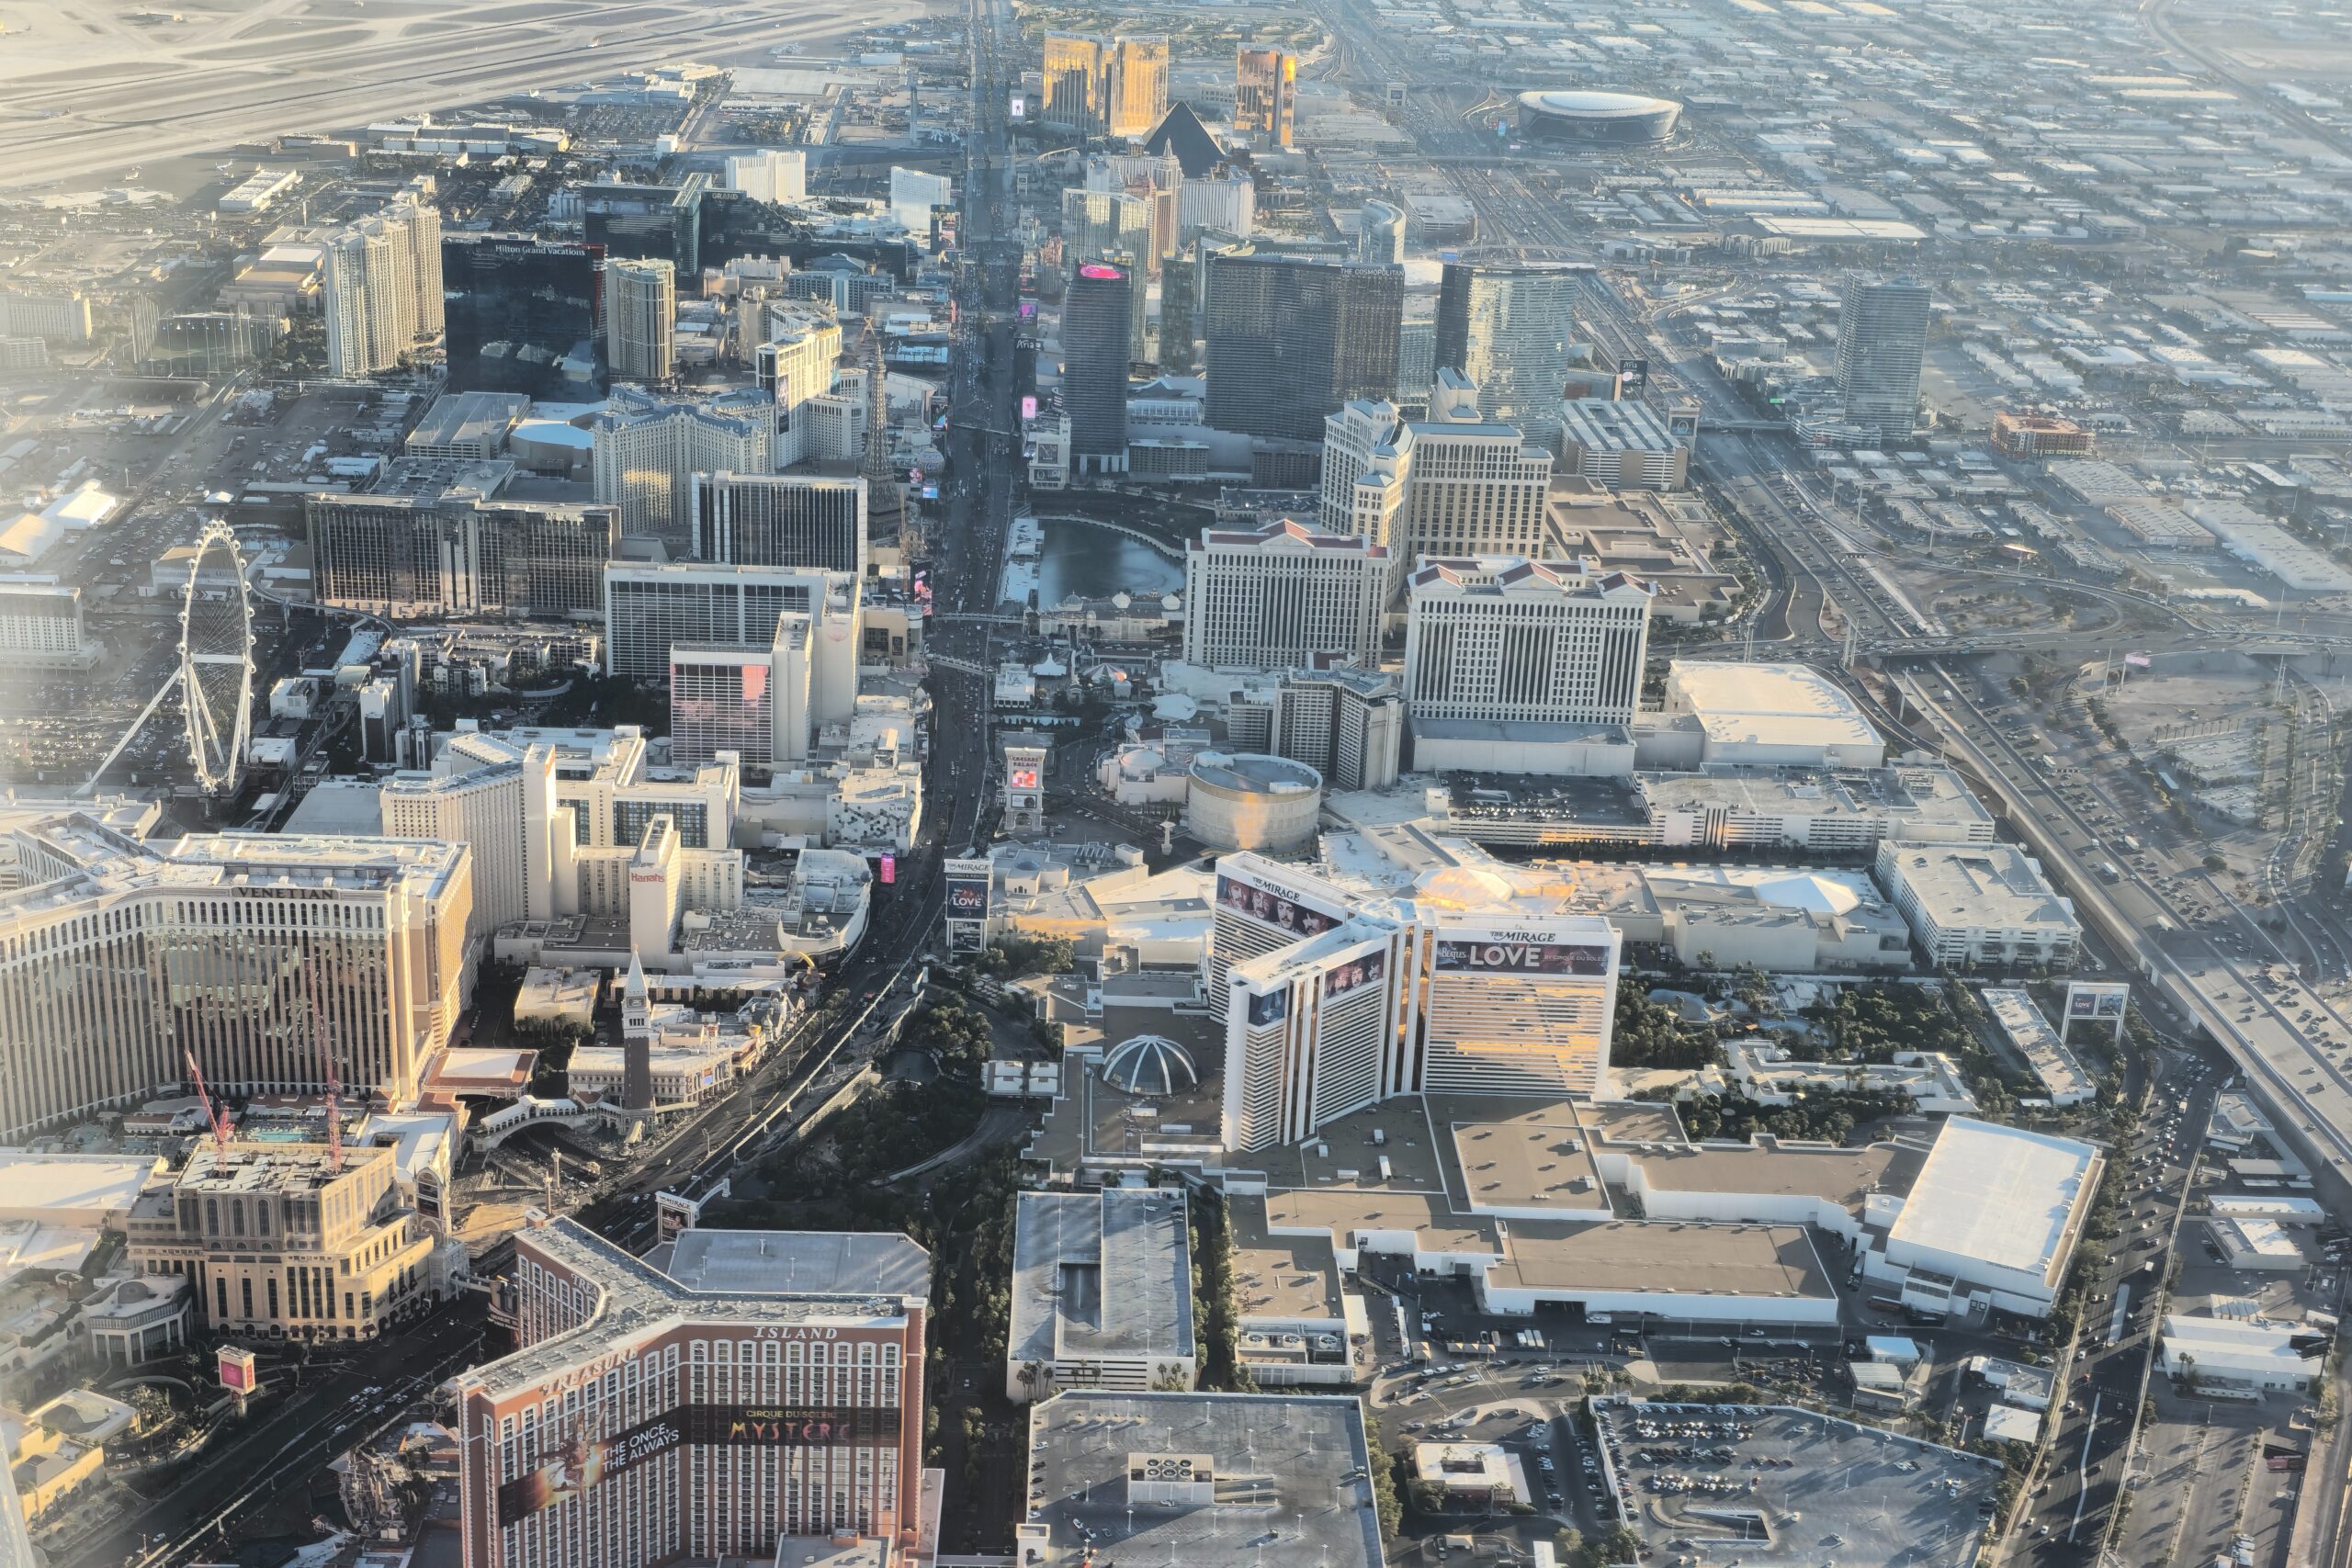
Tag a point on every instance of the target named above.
point(886, 498)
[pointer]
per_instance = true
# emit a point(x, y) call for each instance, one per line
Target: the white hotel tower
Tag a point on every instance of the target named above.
point(1470, 984)
point(1268, 598)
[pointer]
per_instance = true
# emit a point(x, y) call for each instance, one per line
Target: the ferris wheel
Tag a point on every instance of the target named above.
point(215, 675)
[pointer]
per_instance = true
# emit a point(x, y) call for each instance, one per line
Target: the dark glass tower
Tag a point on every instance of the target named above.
point(1098, 341)
point(1290, 339)
point(524, 315)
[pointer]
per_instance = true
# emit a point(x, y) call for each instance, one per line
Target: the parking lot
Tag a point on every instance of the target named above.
point(1706, 1483)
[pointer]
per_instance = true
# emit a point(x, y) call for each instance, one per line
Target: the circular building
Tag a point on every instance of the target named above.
point(1249, 801)
point(551, 446)
point(1596, 117)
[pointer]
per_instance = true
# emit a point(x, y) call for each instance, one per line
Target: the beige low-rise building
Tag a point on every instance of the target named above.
point(60, 1449)
point(281, 1240)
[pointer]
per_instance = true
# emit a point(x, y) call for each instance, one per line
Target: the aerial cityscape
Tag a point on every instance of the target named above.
point(1075, 783)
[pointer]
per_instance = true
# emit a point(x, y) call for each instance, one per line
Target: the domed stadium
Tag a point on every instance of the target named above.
point(1596, 117)
point(1149, 1065)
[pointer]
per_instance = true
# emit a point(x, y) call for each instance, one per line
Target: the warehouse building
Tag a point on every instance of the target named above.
point(1992, 1221)
point(2219, 1352)
point(1758, 715)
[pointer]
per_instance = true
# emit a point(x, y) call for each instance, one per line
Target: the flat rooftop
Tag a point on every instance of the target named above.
point(1664, 1258)
point(1993, 885)
point(1291, 1472)
point(1784, 702)
point(472, 418)
point(481, 1070)
point(843, 1263)
point(2001, 1196)
point(1828, 1491)
point(1510, 1154)
point(333, 807)
point(72, 1189)
point(1926, 793)
point(1769, 1167)
point(2219, 1340)
point(1283, 1278)
point(1102, 1274)
point(747, 1272)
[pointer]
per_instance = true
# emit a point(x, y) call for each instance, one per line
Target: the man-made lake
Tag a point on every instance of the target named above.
point(1077, 558)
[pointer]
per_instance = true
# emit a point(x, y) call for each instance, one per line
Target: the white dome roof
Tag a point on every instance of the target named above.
point(1819, 895)
point(1150, 1065)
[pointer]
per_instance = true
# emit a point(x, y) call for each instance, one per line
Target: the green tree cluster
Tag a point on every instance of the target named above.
point(1385, 1466)
point(1018, 957)
point(952, 1030)
point(1824, 1116)
point(1216, 1306)
point(1617, 1545)
point(1871, 1023)
point(1652, 1034)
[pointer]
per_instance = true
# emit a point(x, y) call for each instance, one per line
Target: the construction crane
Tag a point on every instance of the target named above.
point(326, 1069)
point(217, 1119)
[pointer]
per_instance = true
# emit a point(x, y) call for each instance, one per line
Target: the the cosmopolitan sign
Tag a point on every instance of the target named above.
point(581, 1463)
point(1506, 953)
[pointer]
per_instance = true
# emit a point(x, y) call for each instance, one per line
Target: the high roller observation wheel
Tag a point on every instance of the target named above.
point(217, 661)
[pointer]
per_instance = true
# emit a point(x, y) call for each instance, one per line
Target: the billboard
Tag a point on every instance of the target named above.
point(1507, 954)
point(580, 1462)
point(1020, 106)
point(1355, 975)
point(2098, 1003)
point(235, 1370)
point(967, 890)
point(1268, 906)
point(889, 870)
point(673, 1212)
point(1268, 1007)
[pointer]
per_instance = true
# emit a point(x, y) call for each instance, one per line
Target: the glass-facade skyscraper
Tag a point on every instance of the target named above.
point(1291, 338)
point(1881, 340)
point(1511, 332)
point(1098, 341)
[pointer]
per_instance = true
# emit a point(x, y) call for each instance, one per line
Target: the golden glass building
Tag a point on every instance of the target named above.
point(1075, 69)
point(1265, 94)
point(1138, 85)
point(1475, 981)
